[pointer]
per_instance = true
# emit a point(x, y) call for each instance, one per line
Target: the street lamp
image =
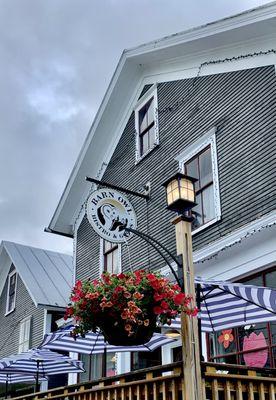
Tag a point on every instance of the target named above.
point(180, 193)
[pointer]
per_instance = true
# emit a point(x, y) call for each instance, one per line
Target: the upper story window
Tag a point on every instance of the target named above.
point(110, 257)
point(11, 294)
point(200, 167)
point(24, 334)
point(199, 160)
point(146, 124)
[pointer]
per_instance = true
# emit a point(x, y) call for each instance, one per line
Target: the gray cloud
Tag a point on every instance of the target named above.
point(56, 58)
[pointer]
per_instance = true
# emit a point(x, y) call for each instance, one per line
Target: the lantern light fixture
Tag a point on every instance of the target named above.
point(180, 193)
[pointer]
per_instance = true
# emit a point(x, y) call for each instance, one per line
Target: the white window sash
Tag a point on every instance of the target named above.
point(208, 139)
point(10, 309)
point(152, 92)
point(24, 334)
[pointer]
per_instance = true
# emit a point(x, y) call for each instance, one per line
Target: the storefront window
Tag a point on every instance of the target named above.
point(238, 345)
point(93, 365)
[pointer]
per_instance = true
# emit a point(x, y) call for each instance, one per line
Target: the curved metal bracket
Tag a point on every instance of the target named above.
point(155, 243)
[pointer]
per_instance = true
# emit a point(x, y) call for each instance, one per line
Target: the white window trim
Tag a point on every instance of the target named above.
point(209, 139)
point(101, 261)
point(152, 92)
point(24, 322)
point(7, 299)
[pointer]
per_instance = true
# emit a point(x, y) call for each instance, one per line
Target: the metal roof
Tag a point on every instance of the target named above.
point(47, 275)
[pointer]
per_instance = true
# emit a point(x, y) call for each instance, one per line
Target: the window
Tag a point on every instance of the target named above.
point(200, 167)
point(94, 364)
point(200, 161)
point(146, 124)
point(11, 294)
point(243, 339)
point(24, 334)
point(110, 257)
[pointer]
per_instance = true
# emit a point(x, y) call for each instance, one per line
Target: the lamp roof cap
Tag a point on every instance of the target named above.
point(179, 175)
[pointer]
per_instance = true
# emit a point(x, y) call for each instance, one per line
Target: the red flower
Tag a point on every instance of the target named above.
point(179, 299)
point(226, 338)
point(157, 310)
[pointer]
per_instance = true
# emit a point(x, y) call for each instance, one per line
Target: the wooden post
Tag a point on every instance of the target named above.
point(189, 328)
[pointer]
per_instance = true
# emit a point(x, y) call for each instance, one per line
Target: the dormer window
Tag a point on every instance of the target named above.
point(11, 293)
point(146, 124)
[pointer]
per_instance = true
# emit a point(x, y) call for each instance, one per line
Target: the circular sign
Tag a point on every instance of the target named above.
point(110, 212)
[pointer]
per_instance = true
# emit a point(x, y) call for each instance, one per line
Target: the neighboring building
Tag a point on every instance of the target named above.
point(202, 102)
point(35, 286)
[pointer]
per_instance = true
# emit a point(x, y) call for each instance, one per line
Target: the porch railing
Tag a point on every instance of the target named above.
point(219, 381)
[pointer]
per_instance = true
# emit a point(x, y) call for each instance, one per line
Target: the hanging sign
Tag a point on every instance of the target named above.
point(110, 212)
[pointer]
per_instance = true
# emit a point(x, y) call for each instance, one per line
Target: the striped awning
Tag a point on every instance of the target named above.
point(227, 305)
point(94, 343)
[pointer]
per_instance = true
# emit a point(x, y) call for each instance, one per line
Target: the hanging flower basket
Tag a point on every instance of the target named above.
point(126, 307)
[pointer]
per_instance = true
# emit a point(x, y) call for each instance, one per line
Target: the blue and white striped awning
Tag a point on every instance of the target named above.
point(227, 305)
point(40, 361)
point(94, 343)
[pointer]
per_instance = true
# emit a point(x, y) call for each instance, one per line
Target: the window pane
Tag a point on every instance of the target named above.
point(145, 143)
point(191, 169)
point(151, 112)
point(249, 341)
point(151, 137)
point(146, 116)
point(205, 166)
point(196, 212)
point(208, 204)
point(84, 376)
point(109, 263)
point(110, 364)
point(270, 279)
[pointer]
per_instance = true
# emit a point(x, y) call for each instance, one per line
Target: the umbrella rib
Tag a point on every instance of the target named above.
point(210, 319)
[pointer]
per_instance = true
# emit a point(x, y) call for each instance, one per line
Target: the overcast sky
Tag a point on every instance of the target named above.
point(57, 58)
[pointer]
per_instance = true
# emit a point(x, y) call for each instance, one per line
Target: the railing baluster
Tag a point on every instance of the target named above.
point(239, 390)
point(138, 392)
point(227, 390)
point(215, 392)
point(174, 389)
point(250, 391)
point(155, 395)
point(261, 391)
point(272, 391)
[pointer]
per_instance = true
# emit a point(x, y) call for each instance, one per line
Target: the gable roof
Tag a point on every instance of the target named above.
point(146, 64)
point(47, 275)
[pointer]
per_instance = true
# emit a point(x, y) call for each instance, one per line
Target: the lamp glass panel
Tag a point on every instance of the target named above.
point(191, 195)
point(175, 193)
point(169, 198)
point(205, 165)
point(208, 204)
point(174, 184)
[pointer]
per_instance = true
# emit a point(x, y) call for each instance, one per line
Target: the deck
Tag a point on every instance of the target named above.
point(219, 381)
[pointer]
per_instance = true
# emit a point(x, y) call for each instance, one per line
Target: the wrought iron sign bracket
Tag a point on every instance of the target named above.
point(145, 196)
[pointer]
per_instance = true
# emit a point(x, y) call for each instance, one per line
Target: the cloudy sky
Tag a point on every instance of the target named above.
point(57, 58)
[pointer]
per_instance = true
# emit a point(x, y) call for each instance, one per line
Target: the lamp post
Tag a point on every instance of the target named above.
point(181, 198)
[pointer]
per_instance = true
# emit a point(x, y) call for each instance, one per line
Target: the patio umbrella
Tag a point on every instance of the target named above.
point(228, 305)
point(40, 362)
point(9, 378)
point(94, 343)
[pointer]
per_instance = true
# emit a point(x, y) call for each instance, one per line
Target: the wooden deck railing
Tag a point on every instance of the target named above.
point(220, 381)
